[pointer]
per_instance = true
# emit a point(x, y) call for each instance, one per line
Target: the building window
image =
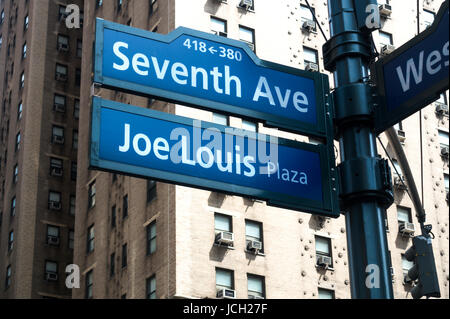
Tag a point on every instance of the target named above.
point(253, 233)
point(406, 265)
point(16, 174)
point(397, 171)
point(153, 6)
point(72, 205)
point(404, 214)
point(73, 171)
point(24, 50)
point(62, 12)
point(11, 241)
point(26, 22)
point(255, 286)
point(22, 80)
point(310, 55)
point(54, 200)
point(249, 126)
point(386, 221)
point(151, 190)
point(71, 239)
point(112, 264)
point(125, 207)
point(2, 16)
point(51, 270)
point(442, 99)
point(307, 15)
point(63, 43)
point(428, 18)
point(99, 3)
point(323, 249)
point(13, 206)
point(76, 109)
point(89, 284)
point(113, 216)
point(124, 255)
point(75, 140)
point(91, 194)
point(443, 141)
point(446, 183)
point(52, 235)
point(224, 279)
point(151, 238)
point(8, 277)
point(59, 103)
point(77, 77)
point(220, 119)
point(56, 167)
point(222, 223)
point(385, 38)
point(326, 294)
point(151, 287)
point(79, 48)
point(61, 73)
point(58, 135)
point(19, 111)
point(18, 138)
point(219, 26)
point(90, 239)
point(248, 36)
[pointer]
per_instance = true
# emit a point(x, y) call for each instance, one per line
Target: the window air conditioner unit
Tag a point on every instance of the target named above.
point(247, 4)
point(225, 293)
point(387, 49)
point(225, 238)
point(51, 276)
point(255, 297)
point(57, 139)
point(61, 77)
point(53, 240)
point(441, 108)
point(221, 33)
point(57, 171)
point(58, 107)
point(323, 261)
point(309, 25)
point(399, 182)
point(63, 47)
point(401, 135)
point(385, 10)
point(311, 66)
point(54, 205)
point(444, 151)
point(406, 228)
point(254, 246)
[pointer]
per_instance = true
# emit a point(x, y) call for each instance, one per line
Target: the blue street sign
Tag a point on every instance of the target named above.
point(414, 75)
point(146, 143)
point(212, 72)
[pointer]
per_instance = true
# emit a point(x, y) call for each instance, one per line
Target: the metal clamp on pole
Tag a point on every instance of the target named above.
point(351, 103)
point(345, 44)
point(364, 178)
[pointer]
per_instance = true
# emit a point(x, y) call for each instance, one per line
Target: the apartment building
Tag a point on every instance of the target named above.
point(137, 238)
point(40, 62)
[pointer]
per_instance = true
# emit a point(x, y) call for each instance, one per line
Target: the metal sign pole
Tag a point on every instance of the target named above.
point(366, 188)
